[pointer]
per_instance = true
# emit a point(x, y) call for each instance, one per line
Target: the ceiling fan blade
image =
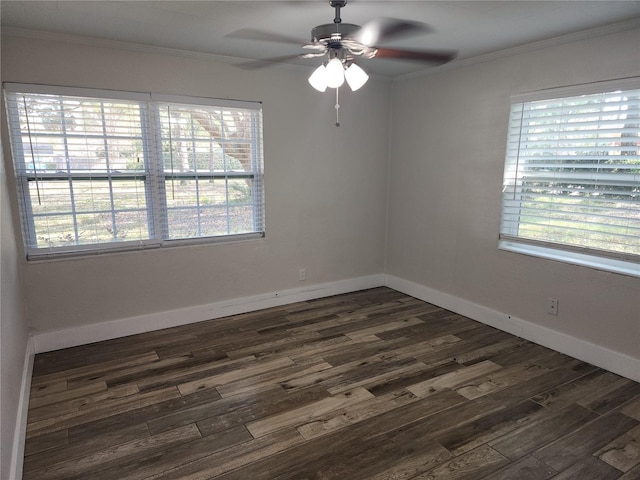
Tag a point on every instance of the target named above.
point(384, 29)
point(431, 56)
point(262, 36)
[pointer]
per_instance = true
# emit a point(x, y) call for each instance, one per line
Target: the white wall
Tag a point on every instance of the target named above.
point(447, 154)
point(13, 334)
point(328, 189)
point(325, 188)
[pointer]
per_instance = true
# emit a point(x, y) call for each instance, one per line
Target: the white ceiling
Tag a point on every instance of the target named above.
point(471, 27)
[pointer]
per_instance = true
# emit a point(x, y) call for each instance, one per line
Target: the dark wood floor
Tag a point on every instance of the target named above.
point(371, 385)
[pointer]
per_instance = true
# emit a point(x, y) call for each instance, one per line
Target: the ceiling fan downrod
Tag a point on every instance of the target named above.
point(337, 4)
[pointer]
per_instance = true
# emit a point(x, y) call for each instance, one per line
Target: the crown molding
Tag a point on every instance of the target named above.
point(116, 44)
point(140, 47)
point(604, 30)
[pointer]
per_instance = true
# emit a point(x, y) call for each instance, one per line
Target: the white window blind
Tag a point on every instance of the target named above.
point(572, 172)
point(103, 170)
point(211, 169)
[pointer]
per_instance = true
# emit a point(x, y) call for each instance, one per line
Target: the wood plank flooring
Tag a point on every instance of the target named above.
point(372, 385)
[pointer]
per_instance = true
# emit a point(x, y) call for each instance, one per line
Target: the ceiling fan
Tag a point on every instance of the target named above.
point(341, 44)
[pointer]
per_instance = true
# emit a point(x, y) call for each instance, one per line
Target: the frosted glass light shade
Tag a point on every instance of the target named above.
point(318, 78)
point(335, 73)
point(356, 77)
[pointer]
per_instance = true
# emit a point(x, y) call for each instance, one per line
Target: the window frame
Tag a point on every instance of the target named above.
point(152, 175)
point(508, 240)
point(255, 174)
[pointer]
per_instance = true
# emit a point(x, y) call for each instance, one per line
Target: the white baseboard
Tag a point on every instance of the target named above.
point(602, 357)
point(19, 436)
point(613, 361)
point(81, 335)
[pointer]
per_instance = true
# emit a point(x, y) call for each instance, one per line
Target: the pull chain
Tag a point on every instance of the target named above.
point(337, 108)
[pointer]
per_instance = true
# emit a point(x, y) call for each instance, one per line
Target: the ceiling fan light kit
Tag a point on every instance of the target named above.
point(340, 44)
point(335, 73)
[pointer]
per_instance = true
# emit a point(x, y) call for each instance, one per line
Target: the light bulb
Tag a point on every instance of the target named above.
point(318, 78)
point(356, 77)
point(335, 73)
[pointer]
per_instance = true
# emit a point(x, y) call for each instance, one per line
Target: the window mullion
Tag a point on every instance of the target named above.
point(154, 181)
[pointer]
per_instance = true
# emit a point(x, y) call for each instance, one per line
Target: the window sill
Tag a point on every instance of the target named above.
point(129, 247)
point(574, 258)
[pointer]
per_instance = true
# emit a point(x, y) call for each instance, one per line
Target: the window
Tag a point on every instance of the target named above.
point(571, 189)
point(103, 170)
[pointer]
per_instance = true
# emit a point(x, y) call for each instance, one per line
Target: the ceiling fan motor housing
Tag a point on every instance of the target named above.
point(333, 32)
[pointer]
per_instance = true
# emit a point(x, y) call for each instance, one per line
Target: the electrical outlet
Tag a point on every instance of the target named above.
point(302, 274)
point(552, 306)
